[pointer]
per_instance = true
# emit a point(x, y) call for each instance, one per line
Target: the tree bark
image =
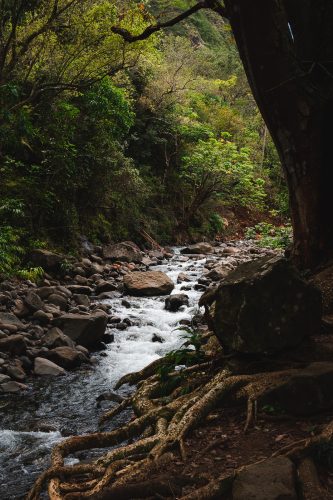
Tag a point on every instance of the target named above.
point(287, 50)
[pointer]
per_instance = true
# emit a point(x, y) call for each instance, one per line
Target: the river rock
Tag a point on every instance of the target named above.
point(148, 283)
point(49, 261)
point(218, 273)
point(9, 319)
point(307, 391)
point(45, 291)
point(4, 378)
point(81, 299)
point(67, 357)
point(271, 479)
point(56, 338)
point(230, 251)
point(20, 310)
point(43, 317)
point(46, 367)
point(33, 301)
point(85, 329)
point(183, 277)
point(58, 300)
point(265, 306)
point(105, 286)
point(174, 302)
point(80, 289)
point(124, 252)
point(12, 386)
point(16, 372)
point(198, 248)
point(14, 344)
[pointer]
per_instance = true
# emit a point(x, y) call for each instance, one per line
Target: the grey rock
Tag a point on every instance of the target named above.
point(174, 302)
point(45, 291)
point(33, 302)
point(67, 357)
point(80, 289)
point(218, 273)
point(44, 366)
point(16, 372)
point(58, 300)
point(20, 310)
point(81, 299)
point(43, 317)
point(198, 248)
point(14, 344)
point(124, 252)
point(183, 277)
point(49, 261)
point(56, 338)
point(265, 306)
point(150, 283)
point(12, 386)
point(85, 329)
point(105, 286)
point(10, 319)
point(272, 479)
point(307, 391)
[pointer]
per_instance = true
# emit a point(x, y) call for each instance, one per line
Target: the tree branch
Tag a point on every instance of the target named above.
point(205, 4)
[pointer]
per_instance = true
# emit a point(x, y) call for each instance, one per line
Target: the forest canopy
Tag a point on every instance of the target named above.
point(95, 132)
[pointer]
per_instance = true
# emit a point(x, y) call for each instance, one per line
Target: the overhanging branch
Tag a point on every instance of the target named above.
point(150, 30)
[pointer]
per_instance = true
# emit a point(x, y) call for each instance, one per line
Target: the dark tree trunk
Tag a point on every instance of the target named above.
point(287, 50)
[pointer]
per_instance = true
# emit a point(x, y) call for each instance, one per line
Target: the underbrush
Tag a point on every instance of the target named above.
point(269, 236)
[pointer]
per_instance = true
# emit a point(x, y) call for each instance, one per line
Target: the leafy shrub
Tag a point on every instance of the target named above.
point(190, 353)
point(34, 274)
point(268, 235)
point(10, 250)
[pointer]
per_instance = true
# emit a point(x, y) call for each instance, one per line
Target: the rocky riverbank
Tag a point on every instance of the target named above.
point(54, 326)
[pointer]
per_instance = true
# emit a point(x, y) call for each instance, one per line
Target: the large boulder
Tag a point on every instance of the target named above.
point(49, 261)
point(198, 248)
point(148, 283)
point(124, 252)
point(265, 306)
point(46, 367)
point(84, 329)
point(66, 357)
point(174, 302)
point(271, 479)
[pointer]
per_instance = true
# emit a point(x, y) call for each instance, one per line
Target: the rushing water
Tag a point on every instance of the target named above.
point(56, 407)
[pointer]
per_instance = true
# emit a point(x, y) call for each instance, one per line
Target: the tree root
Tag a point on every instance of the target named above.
point(162, 425)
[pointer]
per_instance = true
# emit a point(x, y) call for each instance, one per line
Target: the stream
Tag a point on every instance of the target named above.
point(54, 408)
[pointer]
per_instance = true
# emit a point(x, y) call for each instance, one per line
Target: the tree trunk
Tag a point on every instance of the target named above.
point(287, 50)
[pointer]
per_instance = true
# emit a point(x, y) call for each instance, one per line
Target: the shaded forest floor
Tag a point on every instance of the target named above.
point(220, 446)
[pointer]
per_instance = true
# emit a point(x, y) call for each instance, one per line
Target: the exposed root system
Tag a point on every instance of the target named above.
point(158, 432)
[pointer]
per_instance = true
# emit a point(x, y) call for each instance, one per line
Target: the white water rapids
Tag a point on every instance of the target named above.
point(67, 405)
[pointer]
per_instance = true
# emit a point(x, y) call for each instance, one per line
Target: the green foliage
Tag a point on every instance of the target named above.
point(10, 250)
point(103, 137)
point(34, 274)
point(218, 169)
point(190, 353)
point(270, 236)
